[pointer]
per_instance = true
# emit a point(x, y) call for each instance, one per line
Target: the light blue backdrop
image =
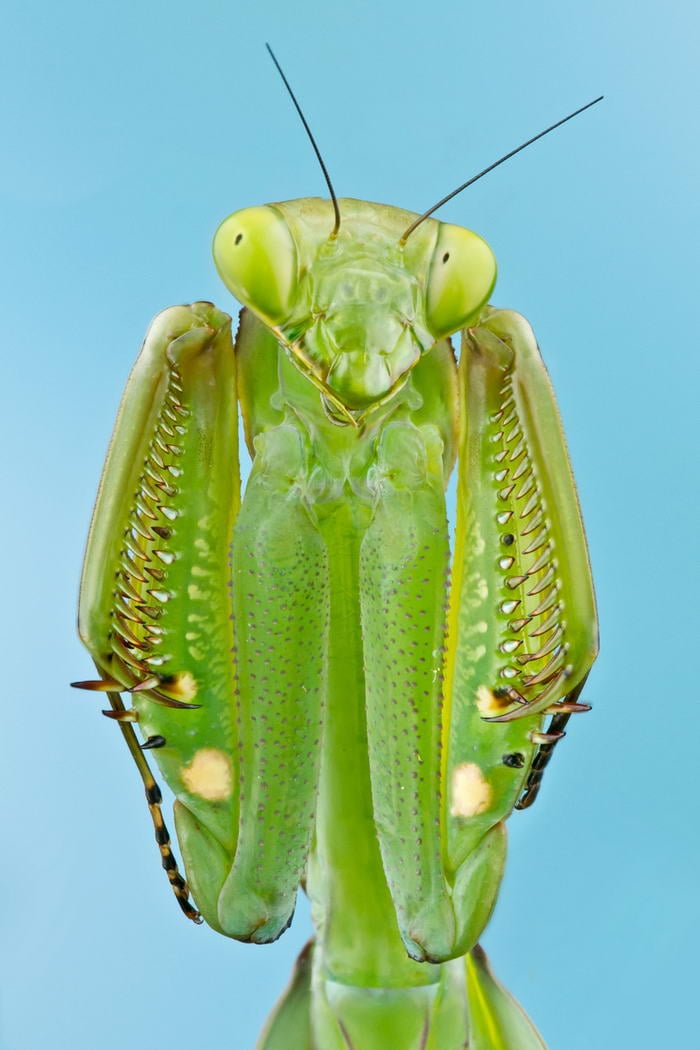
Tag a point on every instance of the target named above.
point(128, 132)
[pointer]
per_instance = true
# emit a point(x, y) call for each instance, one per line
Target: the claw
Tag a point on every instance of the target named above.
point(567, 707)
point(546, 738)
point(99, 685)
point(153, 742)
point(147, 683)
point(155, 685)
point(167, 701)
point(122, 716)
point(507, 692)
point(535, 706)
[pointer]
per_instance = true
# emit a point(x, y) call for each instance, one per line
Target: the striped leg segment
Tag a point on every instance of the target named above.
point(554, 732)
point(154, 800)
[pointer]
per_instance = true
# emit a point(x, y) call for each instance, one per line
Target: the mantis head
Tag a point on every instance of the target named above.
point(356, 310)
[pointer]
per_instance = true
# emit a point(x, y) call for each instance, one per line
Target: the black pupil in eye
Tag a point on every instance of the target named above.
point(445, 257)
point(239, 238)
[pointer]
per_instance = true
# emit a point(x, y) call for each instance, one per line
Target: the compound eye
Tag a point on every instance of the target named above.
point(461, 278)
point(255, 255)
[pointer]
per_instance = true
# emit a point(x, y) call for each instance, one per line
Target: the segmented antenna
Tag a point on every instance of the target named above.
point(501, 160)
point(312, 140)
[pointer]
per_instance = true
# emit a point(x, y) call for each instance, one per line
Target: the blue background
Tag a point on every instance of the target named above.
point(128, 132)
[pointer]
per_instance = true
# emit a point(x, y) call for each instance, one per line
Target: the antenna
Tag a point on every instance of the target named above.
point(501, 160)
point(312, 140)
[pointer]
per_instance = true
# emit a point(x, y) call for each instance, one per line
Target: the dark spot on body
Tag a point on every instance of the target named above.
point(515, 760)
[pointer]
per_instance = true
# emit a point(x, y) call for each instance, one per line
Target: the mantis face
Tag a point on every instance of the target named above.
point(356, 310)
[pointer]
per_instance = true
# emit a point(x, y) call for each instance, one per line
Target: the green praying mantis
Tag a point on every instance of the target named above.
point(336, 701)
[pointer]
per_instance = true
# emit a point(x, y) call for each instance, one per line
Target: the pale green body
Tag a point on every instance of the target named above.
point(343, 681)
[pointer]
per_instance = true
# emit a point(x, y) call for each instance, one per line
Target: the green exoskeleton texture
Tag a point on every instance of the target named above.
point(334, 698)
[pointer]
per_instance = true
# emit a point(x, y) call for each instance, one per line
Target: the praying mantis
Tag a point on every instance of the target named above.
point(336, 700)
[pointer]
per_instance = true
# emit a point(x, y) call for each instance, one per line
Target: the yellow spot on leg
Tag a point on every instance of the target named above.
point(183, 686)
point(471, 792)
point(486, 703)
point(491, 702)
point(196, 593)
point(209, 775)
